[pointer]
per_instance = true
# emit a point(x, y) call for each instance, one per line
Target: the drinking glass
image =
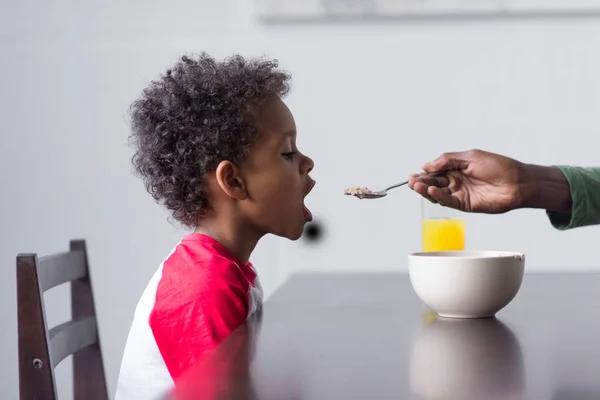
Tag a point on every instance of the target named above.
point(443, 228)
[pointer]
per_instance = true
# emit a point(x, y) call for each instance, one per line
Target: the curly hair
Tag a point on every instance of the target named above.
point(196, 115)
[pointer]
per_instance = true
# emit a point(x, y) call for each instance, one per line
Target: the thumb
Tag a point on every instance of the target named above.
point(447, 162)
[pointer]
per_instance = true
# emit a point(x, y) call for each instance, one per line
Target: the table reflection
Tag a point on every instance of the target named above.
point(467, 359)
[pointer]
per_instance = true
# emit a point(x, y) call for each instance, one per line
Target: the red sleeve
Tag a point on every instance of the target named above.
point(193, 314)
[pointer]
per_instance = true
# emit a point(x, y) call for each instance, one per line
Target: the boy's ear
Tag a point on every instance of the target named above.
point(230, 180)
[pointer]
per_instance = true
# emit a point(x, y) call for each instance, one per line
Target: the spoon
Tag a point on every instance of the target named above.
point(364, 193)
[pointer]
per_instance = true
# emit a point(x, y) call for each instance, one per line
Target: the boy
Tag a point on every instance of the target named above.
point(217, 146)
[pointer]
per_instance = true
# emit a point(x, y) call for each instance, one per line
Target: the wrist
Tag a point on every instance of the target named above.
point(545, 188)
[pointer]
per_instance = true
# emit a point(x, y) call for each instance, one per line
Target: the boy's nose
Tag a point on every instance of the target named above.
point(307, 165)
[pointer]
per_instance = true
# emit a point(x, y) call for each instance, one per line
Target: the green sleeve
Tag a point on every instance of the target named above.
point(584, 184)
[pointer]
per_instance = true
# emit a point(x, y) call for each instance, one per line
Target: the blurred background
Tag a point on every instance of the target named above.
point(376, 93)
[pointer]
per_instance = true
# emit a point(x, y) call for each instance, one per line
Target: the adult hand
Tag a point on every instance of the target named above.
point(478, 181)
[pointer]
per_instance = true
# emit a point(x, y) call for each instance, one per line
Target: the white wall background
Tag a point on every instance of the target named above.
point(394, 94)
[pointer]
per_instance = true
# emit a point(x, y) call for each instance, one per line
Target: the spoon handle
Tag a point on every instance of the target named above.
point(397, 185)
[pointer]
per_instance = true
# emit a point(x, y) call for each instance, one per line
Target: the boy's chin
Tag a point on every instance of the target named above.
point(293, 235)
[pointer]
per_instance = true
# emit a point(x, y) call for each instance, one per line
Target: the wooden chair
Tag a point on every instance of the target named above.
point(40, 349)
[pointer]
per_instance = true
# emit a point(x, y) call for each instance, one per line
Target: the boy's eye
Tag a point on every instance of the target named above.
point(289, 156)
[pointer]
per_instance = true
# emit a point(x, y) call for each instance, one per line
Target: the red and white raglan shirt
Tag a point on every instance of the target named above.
point(196, 298)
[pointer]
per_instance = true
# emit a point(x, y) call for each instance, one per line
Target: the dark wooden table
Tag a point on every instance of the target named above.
point(369, 337)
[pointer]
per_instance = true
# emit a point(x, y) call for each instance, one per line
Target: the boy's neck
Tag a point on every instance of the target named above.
point(238, 240)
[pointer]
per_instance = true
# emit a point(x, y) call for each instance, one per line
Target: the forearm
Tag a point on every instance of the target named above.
point(570, 195)
point(546, 188)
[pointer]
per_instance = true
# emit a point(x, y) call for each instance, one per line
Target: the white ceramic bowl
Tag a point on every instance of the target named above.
point(466, 284)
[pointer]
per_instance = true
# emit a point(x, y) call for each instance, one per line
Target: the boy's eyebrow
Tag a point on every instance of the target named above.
point(291, 133)
point(288, 134)
point(284, 138)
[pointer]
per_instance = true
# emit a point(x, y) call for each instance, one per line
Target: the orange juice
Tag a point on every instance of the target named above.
point(443, 234)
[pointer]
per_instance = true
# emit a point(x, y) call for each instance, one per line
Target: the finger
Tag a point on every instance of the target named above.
point(447, 190)
point(422, 189)
point(436, 180)
point(441, 197)
point(447, 162)
point(422, 183)
point(412, 179)
point(444, 197)
point(429, 180)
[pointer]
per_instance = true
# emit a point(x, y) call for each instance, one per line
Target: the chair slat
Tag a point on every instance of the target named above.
point(42, 349)
point(60, 268)
point(36, 375)
point(70, 337)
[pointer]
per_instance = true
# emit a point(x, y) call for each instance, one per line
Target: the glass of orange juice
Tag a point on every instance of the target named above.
point(443, 228)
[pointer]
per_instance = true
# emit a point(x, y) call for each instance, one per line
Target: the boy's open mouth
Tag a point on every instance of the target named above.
point(307, 214)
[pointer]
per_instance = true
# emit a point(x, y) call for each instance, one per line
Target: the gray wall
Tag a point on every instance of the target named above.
point(69, 70)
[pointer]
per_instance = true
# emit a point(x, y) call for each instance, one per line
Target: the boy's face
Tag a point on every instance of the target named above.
point(276, 175)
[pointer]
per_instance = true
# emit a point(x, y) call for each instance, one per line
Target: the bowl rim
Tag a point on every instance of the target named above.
point(468, 254)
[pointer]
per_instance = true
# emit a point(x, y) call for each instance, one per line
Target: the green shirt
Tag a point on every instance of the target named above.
point(584, 184)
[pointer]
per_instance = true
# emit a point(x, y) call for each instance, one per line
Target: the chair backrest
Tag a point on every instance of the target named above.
point(42, 349)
